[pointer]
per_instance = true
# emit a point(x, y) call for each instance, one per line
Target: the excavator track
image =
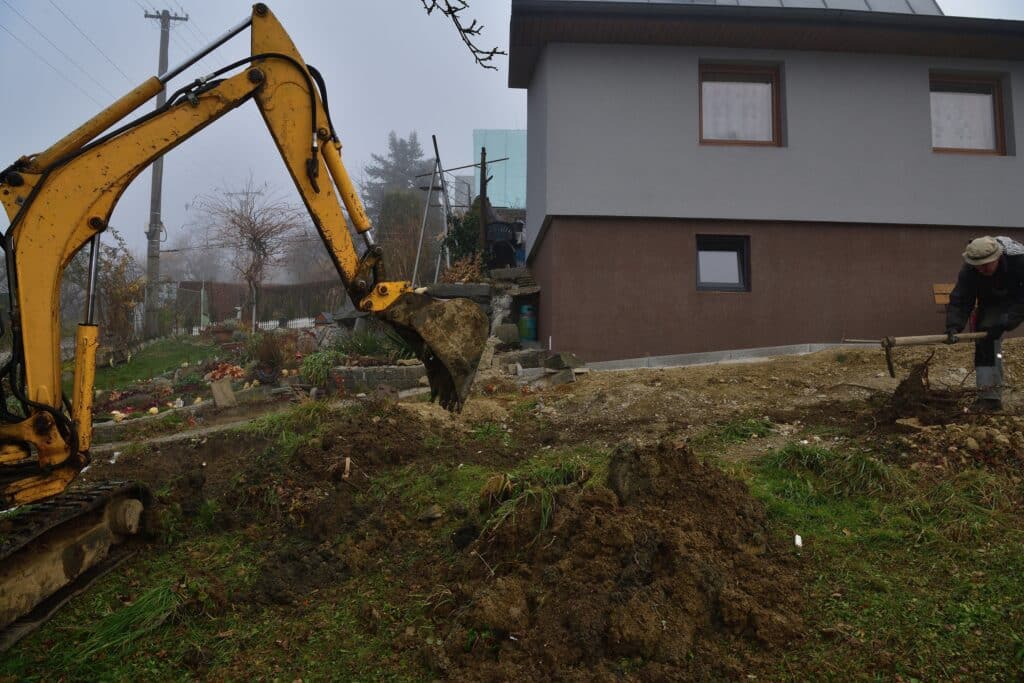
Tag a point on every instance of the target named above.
point(58, 547)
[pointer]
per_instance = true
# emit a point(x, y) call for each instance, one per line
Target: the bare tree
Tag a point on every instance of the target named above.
point(254, 227)
point(190, 256)
point(452, 9)
point(306, 258)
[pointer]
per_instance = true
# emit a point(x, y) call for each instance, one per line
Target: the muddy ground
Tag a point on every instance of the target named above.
point(653, 565)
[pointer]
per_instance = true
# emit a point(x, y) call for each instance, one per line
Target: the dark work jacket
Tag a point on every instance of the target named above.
point(1003, 289)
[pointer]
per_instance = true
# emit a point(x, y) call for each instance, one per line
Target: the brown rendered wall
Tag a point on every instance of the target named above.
point(614, 288)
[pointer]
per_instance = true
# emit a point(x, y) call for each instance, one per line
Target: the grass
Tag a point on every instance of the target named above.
point(491, 434)
point(909, 577)
point(416, 486)
point(156, 359)
point(303, 418)
point(146, 620)
point(384, 344)
point(731, 432)
point(906, 574)
point(119, 629)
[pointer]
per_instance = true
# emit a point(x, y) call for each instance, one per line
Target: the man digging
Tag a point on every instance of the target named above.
point(993, 278)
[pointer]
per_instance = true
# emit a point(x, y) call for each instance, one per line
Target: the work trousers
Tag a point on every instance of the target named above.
point(988, 355)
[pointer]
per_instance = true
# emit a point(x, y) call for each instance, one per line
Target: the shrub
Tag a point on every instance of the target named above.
point(316, 367)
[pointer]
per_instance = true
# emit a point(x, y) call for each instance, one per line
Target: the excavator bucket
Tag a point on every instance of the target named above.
point(448, 336)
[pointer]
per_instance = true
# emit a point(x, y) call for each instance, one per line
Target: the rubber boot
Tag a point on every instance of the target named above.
point(990, 383)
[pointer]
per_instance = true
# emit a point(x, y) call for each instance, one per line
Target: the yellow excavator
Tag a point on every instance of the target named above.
point(60, 200)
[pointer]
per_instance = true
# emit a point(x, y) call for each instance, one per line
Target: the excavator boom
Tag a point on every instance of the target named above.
point(61, 200)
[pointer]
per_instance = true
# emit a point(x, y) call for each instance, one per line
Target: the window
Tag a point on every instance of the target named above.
point(967, 115)
point(739, 105)
point(723, 263)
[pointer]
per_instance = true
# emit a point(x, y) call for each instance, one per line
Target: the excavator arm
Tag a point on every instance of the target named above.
point(61, 200)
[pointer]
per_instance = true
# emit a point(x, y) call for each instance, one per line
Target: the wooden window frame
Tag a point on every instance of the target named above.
point(730, 243)
point(996, 83)
point(758, 73)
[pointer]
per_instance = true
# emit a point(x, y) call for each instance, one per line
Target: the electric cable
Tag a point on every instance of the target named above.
point(58, 49)
point(55, 69)
point(84, 35)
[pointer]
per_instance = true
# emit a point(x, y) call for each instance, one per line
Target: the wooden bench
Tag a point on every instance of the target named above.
point(941, 293)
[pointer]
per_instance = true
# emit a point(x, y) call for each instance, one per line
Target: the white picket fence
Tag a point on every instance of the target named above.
point(265, 326)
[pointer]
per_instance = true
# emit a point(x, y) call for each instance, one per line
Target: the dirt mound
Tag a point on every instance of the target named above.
point(652, 576)
point(993, 441)
point(916, 398)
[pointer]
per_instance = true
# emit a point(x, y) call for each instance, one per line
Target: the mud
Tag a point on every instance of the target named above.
point(676, 564)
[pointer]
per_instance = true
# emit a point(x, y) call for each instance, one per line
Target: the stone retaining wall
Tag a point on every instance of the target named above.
point(357, 379)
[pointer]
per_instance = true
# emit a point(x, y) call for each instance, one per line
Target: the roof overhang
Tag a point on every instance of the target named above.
point(535, 23)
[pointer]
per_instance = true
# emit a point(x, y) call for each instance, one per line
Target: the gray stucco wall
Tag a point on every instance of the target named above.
point(619, 129)
point(537, 103)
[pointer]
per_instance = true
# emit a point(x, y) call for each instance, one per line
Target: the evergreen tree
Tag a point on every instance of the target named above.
point(394, 171)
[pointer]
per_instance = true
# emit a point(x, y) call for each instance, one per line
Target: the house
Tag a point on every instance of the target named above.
point(754, 173)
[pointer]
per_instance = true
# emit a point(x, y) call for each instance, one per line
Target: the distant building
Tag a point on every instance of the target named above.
point(507, 187)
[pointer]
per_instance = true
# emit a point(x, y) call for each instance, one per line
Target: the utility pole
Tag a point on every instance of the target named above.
point(483, 203)
point(151, 328)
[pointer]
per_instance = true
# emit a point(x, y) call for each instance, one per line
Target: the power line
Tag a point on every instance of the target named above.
point(84, 35)
point(57, 48)
point(185, 47)
point(58, 71)
point(193, 25)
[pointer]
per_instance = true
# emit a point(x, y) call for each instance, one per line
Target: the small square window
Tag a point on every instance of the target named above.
point(967, 115)
point(723, 263)
point(739, 105)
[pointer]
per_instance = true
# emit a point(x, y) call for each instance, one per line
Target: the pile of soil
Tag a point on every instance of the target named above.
point(914, 397)
point(655, 575)
point(660, 572)
point(994, 442)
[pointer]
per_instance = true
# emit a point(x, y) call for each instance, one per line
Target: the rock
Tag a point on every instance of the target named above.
point(562, 360)
point(474, 290)
point(487, 357)
point(508, 333)
point(971, 444)
point(223, 395)
point(431, 513)
point(911, 422)
point(561, 377)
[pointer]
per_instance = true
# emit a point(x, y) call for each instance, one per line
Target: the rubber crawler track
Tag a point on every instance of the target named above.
point(50, 514)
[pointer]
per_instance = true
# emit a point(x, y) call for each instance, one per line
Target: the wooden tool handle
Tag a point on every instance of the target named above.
point(931, 339)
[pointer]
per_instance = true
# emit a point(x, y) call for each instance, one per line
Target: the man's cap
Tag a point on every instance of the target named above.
point(983, 250)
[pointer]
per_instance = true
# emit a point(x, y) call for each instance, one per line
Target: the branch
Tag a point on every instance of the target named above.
point(451, 9)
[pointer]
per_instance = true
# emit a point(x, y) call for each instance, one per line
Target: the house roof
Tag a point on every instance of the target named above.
point(910, 27)
point(897, 6)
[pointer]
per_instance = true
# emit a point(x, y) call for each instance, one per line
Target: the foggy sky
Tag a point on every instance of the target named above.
point(388, 66)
